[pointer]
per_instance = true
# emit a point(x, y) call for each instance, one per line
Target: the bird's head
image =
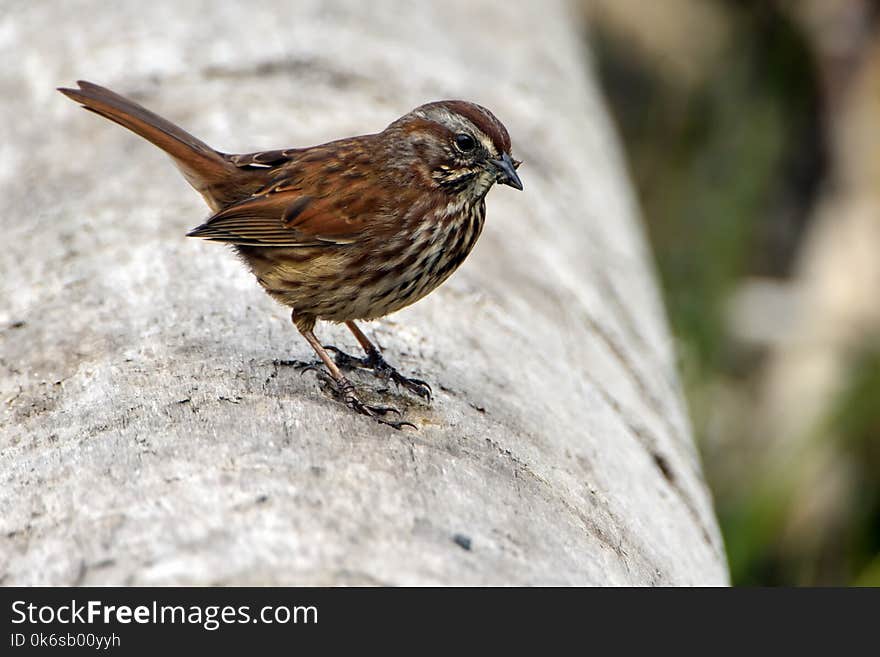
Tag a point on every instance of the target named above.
point(459, 147)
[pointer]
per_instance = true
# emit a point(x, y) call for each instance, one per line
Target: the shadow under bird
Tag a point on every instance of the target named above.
point(353, 229)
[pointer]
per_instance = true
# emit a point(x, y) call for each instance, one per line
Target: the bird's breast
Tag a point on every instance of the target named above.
point(422, 256)
point(376, 277)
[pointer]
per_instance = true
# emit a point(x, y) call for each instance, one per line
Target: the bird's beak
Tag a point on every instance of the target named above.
point(507, 171)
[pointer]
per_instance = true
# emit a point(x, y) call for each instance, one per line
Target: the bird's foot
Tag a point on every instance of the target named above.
point(379, 366)
point(346, 361)
point(302, 365)
point(344, 391)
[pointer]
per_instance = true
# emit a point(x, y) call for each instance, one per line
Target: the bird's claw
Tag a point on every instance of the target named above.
point(415, 386)
point(301, 365)
point(380, 368)
point(347, 361)
point(344, 391)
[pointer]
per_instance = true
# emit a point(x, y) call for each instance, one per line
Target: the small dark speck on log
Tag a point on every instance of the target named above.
point(664, 467)
point(462, 541)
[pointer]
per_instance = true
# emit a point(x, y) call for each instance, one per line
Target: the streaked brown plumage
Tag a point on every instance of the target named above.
point(353, 229)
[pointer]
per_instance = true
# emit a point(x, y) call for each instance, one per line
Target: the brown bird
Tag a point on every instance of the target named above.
point(350, 230)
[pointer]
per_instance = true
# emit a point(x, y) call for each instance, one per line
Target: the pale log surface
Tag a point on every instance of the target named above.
point(146, 436)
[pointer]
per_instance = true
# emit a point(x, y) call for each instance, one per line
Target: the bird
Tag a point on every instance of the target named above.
point(349, 230)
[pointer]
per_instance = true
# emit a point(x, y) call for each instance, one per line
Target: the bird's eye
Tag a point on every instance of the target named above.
point(465, 143)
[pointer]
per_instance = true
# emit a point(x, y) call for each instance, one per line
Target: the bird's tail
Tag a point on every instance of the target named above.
point(207, 170)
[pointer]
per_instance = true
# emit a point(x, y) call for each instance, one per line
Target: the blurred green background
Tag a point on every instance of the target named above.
point(753, 135)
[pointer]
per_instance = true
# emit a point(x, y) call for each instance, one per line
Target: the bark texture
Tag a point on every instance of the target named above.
point(146, 436)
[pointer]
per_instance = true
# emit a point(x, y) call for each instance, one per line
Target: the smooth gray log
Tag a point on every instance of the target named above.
point(146, 436)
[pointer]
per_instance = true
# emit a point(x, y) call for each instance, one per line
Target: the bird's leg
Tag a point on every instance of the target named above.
point(343, 389)
point(373, 361)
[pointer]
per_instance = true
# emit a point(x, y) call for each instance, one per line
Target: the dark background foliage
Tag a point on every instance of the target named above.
point(749, 128)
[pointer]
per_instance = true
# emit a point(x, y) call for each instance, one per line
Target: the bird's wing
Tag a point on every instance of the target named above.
point(291, 214)
point(263, 159)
